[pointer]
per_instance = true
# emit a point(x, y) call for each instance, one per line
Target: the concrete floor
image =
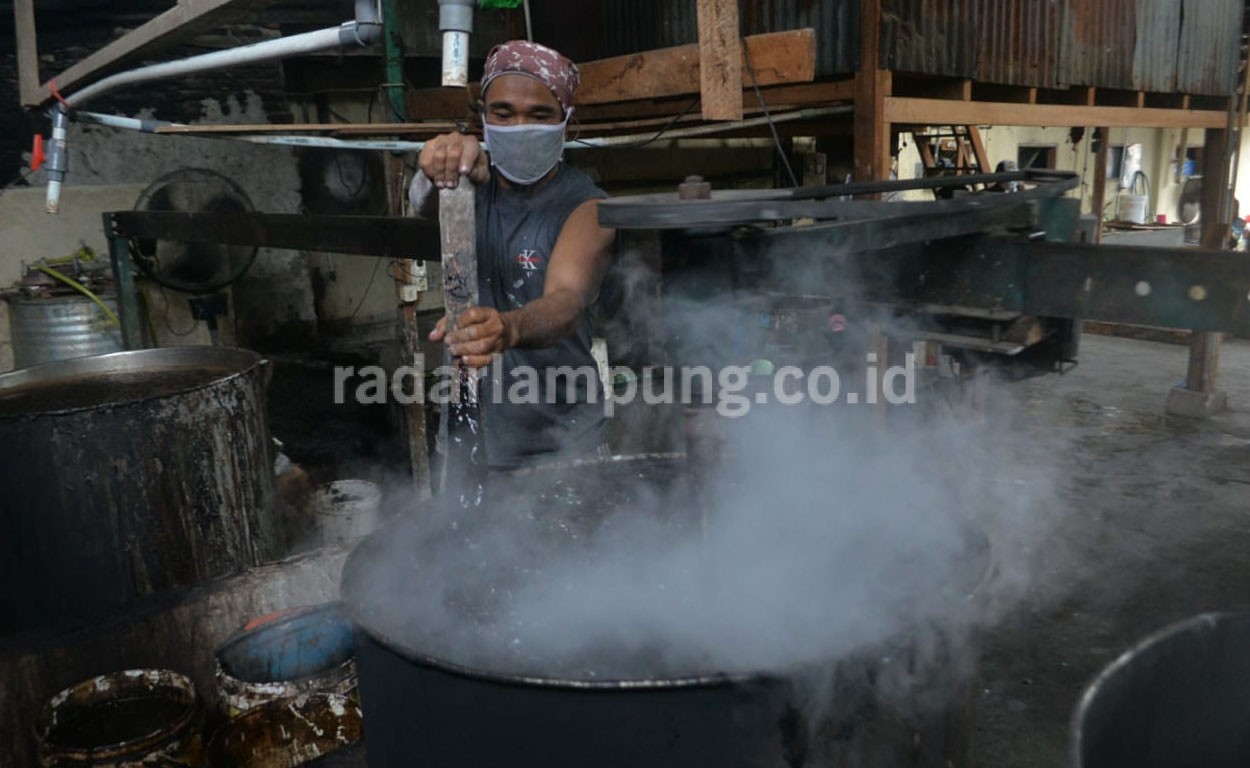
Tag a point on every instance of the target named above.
point(1157, 530)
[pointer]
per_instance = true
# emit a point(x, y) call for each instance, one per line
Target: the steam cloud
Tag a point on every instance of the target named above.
point(821, 534)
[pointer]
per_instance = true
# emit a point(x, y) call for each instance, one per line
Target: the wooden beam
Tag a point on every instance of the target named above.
point(872, 88)
point(810, 94)
point(185, 20)
point(943, 112)
point(720, 60)
point(27, 51)
point(1099, 201)
point(779, 58)
point(978, 149)
point(777, 99)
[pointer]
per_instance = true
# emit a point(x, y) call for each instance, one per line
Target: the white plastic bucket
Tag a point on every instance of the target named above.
point(1132, 207)
point(346, 511)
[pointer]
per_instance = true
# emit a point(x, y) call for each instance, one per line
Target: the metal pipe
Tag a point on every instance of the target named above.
point(256, 53)
point(711, 129)
point(390, 145)
point(364, 31)
point(58, 158)
point(117, 121)
point(455, 21)
point(394, 47)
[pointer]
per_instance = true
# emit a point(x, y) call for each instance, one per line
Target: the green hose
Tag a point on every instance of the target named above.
point(84, 290)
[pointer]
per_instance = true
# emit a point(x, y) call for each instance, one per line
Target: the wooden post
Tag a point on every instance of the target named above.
point(27, 51)
point(410, 342)
point(1204, 348)
point(978, 149)
point(1099, 201)
point(720, 59)
point(872, 86)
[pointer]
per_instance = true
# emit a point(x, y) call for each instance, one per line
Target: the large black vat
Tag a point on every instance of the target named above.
point(439, 697)
point(128, 474)
point(1179, 699)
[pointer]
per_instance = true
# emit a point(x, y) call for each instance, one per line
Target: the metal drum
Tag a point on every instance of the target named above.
point(45, 330)
point(129, 474)
point(450, 688)
point(136, 717)
point(1179, 698)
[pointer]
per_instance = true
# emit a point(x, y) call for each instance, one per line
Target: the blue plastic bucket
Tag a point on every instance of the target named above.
point(306, 650)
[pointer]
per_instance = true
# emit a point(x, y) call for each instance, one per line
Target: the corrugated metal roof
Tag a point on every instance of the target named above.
point(1019, 41)
point(640, 25)
point(1157, 43)
point(1015, 42)
point(1099, 43)
point(932, 37)
point(1210, 46)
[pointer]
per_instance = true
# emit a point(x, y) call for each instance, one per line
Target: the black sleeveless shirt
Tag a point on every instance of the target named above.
point(532, 414)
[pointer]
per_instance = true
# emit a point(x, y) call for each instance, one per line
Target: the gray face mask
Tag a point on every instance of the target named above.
point(525, 153)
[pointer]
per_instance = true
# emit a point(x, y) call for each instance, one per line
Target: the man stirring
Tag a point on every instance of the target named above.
point(541, 259)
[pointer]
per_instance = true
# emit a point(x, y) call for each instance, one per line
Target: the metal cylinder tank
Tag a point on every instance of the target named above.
point(47, 329)
point(128, 474)
point(1179, 697)
point(445, 681)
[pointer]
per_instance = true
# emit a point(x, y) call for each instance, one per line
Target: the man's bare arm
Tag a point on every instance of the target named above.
point(578, 263)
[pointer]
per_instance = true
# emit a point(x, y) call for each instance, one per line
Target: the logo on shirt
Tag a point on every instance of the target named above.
point(529, 260)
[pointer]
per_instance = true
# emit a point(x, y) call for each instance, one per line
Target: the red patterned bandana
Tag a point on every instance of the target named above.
point(545, 65)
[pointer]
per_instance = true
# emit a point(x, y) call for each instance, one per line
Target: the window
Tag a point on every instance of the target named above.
point(1036, 157)
point(1115, 161)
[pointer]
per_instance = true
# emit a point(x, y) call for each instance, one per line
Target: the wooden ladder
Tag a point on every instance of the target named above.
point(951, 150)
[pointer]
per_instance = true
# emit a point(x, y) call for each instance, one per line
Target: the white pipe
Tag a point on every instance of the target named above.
point(455, 59)
point(386, 145)
point(455, 21)
point(325, 142)
point(123, 123)
point(58, 159)
point(256, 53)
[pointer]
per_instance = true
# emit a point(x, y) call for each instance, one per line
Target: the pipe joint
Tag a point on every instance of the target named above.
point(455, 16)
point(361, 34)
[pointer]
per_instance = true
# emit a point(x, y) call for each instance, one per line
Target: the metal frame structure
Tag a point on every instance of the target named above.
point(384, 237)
point(983, 259)
point(1011, 254)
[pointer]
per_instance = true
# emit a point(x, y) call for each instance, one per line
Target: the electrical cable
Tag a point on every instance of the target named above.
point(168, 325)
point(84, 290)
point(377, 265)
point(646, 142)
point(746, 57)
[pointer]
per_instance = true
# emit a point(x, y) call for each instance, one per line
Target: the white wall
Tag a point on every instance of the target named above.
point(275, 294)
point(1159, 148)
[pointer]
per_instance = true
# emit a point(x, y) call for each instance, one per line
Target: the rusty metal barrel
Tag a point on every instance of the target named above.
point(127, 475)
